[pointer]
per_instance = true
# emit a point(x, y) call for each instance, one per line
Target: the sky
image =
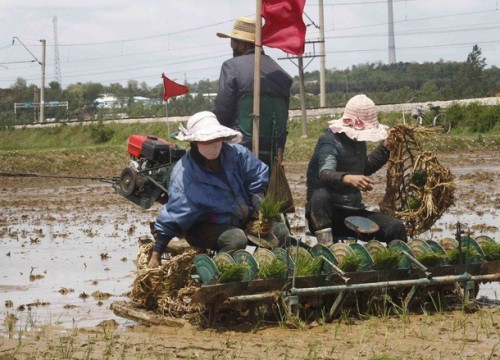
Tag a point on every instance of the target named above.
point(116, 41)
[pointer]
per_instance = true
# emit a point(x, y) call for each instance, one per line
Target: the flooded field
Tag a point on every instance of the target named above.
point(67, 249)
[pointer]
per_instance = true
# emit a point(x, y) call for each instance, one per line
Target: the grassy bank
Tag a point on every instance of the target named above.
point(100, 149)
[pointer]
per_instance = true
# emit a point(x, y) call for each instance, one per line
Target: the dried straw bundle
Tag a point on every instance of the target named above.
point(168, 288)
point(419, 189)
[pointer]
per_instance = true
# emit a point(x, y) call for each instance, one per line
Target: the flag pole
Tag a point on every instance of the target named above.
point(168, 122)
point(256, 80)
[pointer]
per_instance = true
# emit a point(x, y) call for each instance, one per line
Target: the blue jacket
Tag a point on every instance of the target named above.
point(196, 195)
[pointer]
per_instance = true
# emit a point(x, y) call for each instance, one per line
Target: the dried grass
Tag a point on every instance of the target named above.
point(419, 189)
point(166, 289)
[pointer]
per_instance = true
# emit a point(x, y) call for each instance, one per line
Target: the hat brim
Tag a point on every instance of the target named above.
point(371, 134)
point(270, 242)
point(235, 37)
point(212, 133)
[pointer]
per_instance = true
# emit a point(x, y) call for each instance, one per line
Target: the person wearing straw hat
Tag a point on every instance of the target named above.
point(237, 77)
point(213, 189)
point(339, 171)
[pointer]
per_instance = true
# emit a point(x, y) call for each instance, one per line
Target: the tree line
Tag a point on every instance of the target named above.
point(395, 83)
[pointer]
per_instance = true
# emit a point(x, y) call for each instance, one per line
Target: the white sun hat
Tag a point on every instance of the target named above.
point(243, 29)
point(359, 121)
point(204, 126)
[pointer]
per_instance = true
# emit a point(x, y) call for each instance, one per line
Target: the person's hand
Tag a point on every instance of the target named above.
point(387, 144)
point(155, 260)
point(360, 182)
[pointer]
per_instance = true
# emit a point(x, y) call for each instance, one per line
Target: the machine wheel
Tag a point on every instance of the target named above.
point(128, 180)
point(443, 122)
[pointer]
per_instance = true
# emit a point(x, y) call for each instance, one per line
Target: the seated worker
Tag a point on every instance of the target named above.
point(213, 189)
point(236, 81)
point(339, 171)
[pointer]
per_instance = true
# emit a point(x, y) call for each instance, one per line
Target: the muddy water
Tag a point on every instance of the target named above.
point(71, 252)
point(83, 239)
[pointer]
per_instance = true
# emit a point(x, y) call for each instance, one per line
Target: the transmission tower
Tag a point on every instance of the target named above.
point(57, 64)
point(392, 45)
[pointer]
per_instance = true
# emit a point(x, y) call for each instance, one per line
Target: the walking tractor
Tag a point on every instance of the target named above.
point(144, 181)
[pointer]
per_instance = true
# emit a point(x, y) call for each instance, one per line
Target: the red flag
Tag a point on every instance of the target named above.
point(284, 28)
point(172, 88)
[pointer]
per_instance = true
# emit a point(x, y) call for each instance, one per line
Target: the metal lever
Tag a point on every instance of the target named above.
point(422, 267)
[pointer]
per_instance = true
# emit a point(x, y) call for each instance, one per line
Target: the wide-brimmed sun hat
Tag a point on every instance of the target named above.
point(204, 126)
point(359, 121)
point(243, 29)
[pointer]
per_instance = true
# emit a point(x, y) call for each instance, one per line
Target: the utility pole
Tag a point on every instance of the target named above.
point(392, 45)
point(57, 64)
point(42, 85)
point(301, 66)
point(322, 89)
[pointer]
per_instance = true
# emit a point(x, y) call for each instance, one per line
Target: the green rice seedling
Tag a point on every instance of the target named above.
point(273, 269)
point(308, 267)
point(431, 258)
point(467, 252)
point(351, 262)
point(270, 210)
point(231, 272)
point(491, 251)
point(386, 259)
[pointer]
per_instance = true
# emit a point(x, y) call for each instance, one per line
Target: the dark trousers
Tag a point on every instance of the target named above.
point(322, 212)
point(219, 237)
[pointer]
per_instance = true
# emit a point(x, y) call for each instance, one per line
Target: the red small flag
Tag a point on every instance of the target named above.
point(172, 88)
point(284, 28)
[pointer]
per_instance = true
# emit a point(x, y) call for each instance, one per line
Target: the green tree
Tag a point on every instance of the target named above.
point(471, 75)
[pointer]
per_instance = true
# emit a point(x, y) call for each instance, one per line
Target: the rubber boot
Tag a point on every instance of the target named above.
point(324, 236)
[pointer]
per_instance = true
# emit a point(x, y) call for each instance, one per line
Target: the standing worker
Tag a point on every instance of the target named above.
point(235, 95)
point(339, 171)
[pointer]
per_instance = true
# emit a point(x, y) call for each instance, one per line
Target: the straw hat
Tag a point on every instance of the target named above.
point(359, 121)
point(204, 126)
point(243, 29)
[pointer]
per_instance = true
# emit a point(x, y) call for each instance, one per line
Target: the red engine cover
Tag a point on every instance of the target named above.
point(135, 143)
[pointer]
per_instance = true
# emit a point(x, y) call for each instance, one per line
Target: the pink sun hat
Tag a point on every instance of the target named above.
point(359, 121)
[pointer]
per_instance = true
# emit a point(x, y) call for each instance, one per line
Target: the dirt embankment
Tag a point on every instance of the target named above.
point(454, 335)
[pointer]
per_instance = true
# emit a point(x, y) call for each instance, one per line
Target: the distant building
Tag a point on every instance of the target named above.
point(107, 101)
point(142, 100)
point(205, 95)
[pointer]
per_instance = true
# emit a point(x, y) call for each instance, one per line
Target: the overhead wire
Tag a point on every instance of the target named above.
point(80, 74)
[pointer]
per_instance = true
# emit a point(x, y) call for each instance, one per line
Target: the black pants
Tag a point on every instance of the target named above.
point(321, 213)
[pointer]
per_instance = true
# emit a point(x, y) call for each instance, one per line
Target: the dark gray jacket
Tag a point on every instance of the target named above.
point(236, 80)
point(338, 155)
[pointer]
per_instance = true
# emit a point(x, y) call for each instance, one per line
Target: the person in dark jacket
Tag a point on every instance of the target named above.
point(339, 171)
point(237, 76)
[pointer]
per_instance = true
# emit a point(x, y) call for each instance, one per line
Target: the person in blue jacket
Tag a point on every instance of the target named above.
point(213, 190)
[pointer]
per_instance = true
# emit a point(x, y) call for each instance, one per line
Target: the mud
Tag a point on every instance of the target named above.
point(67, 251)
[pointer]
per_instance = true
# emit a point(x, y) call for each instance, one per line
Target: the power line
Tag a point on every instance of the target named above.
point(414, 32)
point(154, 36)
point(329, 52)
point(408, 20)
point(415, 47)
point(158, 64)
point(359, 3)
